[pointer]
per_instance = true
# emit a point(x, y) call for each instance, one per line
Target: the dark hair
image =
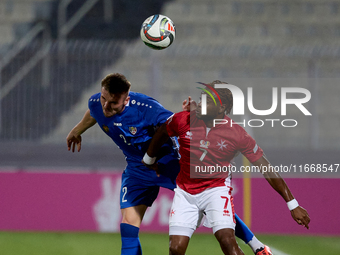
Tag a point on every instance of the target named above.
point(225, 95)
point(116, 83)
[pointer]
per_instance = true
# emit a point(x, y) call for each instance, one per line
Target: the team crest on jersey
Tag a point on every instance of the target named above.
point(106, 129)
point(133, 130)
point(222, 144)
point(204, 144)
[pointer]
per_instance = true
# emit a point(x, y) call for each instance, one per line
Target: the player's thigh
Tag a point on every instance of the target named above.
point(135, 191)
point(184, 212)
point(133, 215)
point(219, 208)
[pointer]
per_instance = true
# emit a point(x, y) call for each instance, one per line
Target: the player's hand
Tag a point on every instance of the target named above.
point(301, 216)
point(72, 140)
point(189, 105)
point(153, 167)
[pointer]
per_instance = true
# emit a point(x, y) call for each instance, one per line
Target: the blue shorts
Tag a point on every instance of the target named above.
point(136, 191)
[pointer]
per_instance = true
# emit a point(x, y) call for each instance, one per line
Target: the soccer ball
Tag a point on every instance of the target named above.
point(158, 32)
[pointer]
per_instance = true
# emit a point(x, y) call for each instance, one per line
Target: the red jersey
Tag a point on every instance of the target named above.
point(201, 148)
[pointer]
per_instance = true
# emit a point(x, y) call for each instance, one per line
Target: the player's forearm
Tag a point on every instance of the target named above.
point(86, 122)
point(274, 179)
point(278, 184)
point(299, 214)
point(159, 138)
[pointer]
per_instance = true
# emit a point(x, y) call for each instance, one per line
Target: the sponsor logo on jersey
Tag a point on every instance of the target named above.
point(204, 144)
point(106, 129)
point(188, 135)
point(117, 124)
point(226, 212)
point(172, 212)
point(133, 130)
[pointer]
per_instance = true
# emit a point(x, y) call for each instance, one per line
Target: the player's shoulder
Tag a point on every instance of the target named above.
point(238, 131)
point(180, 117)
point(231, 128)
point(142, 101)
point(233, 125)
point(94, 99)
point(182, 114)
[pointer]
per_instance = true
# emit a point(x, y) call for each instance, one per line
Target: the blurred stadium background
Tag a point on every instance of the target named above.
point(54, 53)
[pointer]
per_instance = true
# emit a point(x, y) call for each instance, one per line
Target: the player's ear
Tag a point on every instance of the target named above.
point(228, 109)
point(222, 109)
point(126, 100)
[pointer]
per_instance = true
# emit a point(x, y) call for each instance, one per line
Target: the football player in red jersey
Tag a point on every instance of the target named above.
point(199, 192)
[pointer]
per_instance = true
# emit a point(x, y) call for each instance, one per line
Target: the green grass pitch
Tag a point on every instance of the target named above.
point(47, 243)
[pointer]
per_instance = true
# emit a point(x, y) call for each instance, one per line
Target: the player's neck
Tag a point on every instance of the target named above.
point(121, 110)
point(210, 122)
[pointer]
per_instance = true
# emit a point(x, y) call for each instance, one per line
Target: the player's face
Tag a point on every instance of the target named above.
point(113, 103)
point(212, 109)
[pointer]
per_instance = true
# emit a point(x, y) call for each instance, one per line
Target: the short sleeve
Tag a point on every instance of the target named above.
point(176, 124)
point(249, 148)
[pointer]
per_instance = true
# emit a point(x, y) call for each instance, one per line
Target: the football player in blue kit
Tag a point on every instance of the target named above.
point(130, 120)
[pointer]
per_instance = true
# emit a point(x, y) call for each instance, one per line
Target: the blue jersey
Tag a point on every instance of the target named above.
point(133, 128)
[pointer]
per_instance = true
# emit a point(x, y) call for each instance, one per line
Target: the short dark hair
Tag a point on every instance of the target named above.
point(116, 83)
point(225, 95)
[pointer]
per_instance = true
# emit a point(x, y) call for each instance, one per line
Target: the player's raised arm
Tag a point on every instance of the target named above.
point(74, 137)
point(298, 213)
point(159, 138)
